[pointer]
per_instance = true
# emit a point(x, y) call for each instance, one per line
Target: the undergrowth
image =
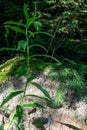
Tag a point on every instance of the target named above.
point(69, 79)
point(25, 46)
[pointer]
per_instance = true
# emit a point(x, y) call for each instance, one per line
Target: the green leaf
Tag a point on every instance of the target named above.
point(19, 112)
point(10, 96)
point(22, 70)
point(47, 56)
point(32, 105)
point(11, 49)
point(7, 49)
point(26, 14)
point(46, 99)
point(30, 78)
point(22, 45)
point(1, 127)
point(30, 21)
point(37, 25)
point(5, 108)
point(19, 23)
point(46, 33)
point(18, 125)
point(16, 29)
point(38, 45)
point(38, 32)
point(41, 89)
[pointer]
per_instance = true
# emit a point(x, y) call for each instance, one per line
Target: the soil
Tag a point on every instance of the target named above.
point(71, 116)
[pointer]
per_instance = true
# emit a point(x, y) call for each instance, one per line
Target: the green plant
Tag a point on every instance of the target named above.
point(60, 96)
point(69, 79)
point(1, 127)
point(85, 99)
point(25, 46)
point(72, 79)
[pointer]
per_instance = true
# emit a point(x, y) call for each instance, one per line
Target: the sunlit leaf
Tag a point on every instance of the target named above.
point(11, 96)
point(32, 105)
point(18, 125)
point(46, 99)
point(41, 89)
point(19, 112)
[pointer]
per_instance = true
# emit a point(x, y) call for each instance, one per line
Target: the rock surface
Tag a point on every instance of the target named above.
point(63, 118)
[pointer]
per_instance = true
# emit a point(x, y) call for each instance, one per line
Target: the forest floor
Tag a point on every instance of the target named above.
point(71, 116)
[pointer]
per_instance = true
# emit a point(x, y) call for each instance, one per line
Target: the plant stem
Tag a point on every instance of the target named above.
point(28, 66)
point(11, 120)
point(25, 87)
point(27, 40)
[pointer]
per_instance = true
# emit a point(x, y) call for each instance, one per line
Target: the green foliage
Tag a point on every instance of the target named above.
point(85, 99)
point(19, 113)
point(10, 96)
point(32, 105)
point(60, 96)
point(25, 46)
point(1, 127)
point(42, 89)
point(18, 125)
point(69, 78)
point(64, 38)
point(72, 80)
point(6, 68)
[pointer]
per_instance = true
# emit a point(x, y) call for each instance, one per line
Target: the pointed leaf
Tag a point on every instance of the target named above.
point(19, 23)
point(30, 21)
point(7, 49)
point(18, 125)
point(30, 78)
point(19, 112)
point(46, 33)
point(38, 45)
point(10, 96)
point(46, 99)
point(51, 57)
point(22, 45)
point(16, 29)
point(38, 32)
point(26, 14)
point(41, 89)
point(32, 105)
